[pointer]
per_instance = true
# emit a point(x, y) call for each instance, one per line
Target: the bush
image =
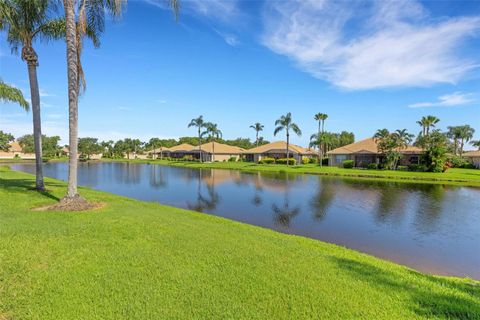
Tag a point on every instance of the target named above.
point(325, 162)
point(232, 159)
point(291, 161)
point(313, 160)
point(372, 166)
point(363, 164)
point(305, 160)
point(17, 156)
point(348, 164)
point(402, 168)
point(417, 168)
point(267, 160)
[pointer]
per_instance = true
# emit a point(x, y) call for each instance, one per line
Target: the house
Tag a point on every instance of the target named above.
point(473, 157)
point(365, 152)
point(278, 150)
point(15, 151)
point(214, 151)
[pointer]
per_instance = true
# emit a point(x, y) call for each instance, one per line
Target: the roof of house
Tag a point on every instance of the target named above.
point(472, 154)
point(15, 147)
point(219, 148)
point(368, 145)
point(180, 147)
point(279, 145)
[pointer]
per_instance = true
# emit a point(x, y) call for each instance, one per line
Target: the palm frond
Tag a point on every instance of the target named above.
point(12, 94)
point(296, 129)
point(278, 129)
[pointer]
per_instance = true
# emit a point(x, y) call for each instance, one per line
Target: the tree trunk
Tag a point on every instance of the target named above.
point(72, 69)
point(213, 151)
point(200, 144)
point(37, 126)
point(461, 146)
point(257, 139)
point(288, 149)
point(319, 145)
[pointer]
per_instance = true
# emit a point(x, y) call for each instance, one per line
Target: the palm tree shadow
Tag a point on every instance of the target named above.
point(424, 301)
point(21, 185)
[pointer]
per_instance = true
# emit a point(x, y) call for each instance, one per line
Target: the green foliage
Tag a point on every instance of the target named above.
point(372, 166)
point(348, 164)
point(289, 161)
point(267, 160)
point(331, 140)
point(402, 168)
point(390, 145)
point(50, 147)
point(5, 139)
point(88, 146)
point(305, 160)
point(232, 159)
point(12, 94)
point(434, 157)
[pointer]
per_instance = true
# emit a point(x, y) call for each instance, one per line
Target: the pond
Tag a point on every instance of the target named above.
point(429, 227)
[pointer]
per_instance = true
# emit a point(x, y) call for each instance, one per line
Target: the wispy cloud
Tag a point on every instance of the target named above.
point(229, 38)
point(218, 9)
point(161, 101)
point(44, 93)
point(448, 100)
point(364, 45)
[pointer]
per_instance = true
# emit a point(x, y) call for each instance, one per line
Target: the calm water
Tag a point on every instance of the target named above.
point(433, 228)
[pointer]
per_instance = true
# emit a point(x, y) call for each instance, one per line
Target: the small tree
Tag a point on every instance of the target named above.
point(88, 146)
point(257, 127)
point(5, 139)
point(434, 157)
point(285, 123)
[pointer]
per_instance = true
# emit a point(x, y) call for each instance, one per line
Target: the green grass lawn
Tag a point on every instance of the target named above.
point(465, 177)
point(140, 260)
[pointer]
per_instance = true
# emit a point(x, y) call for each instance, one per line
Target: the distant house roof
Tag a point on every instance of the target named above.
point(279, 145)
point(219, 148)
point(15, 147)
point(180, 148)
point(472, 154)
point(369, 146)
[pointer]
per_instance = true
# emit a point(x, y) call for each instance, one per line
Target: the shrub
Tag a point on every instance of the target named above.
point(291, 161)
point(458, 162)
point(16, 156)
point(232, 159)
point(363, 164)
point(372, 166)
point(402, 168)
point(267, 160)
point(417, 168)
point(348, 164)
point(313, 160)
point(325, 162)
point(305, 160)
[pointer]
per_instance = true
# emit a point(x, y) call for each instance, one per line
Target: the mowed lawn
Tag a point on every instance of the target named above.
point(139, 260)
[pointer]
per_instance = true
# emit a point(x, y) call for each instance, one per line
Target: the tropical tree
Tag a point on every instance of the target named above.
point(88, 146)
point(5, 139)
point(12, 94)
point(454, 133)
point(50, 147)
point(257, 127)
point(320, 117)
point(212, 131)
point(24, 22)
point(403, 138)
point(200, 124)
point(285, 123)
point(426, 123)
point(475, 143)
point(107, 148)
point(466, 134)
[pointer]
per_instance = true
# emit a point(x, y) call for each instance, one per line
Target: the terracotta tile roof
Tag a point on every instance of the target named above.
point(472, 154)
point(180, 148)
point(281, 146)
point(220, 148)
point(368, 145)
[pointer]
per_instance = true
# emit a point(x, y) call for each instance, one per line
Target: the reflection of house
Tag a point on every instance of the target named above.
point(15, 150)
point(278, 150)
point(214, 151)
point(473, 157)
point(366, 151)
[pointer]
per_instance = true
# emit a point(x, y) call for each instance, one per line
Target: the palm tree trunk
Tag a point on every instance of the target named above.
point(213, 150)
point(257, 139)
point(288, 149)
point(319, 144)
point(72, 69)
point(37, 127)
point(200, 144)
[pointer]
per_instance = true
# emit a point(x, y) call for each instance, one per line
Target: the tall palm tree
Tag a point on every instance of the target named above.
point(200, 124)
point(454, 133)
point(212, 131)
point(26, 21)
point(88, 19)
point(285, 123)
point(12, 94)
point(403, 138)
point(466, 134)
point(426, 123)
point(257, 127)
point(475, 143)
point(320, 117)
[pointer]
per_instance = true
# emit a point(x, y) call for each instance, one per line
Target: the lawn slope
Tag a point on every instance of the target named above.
point(139, 260)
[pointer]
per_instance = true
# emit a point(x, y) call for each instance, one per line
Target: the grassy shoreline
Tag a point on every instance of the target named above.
point(140, 260)
point(461, 177)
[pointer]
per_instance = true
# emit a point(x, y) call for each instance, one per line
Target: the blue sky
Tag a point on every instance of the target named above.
point(368, 65)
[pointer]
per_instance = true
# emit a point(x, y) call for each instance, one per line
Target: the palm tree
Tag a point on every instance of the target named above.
point(199, 123)
point(88, 20)
point(403, 138)
point(320, 117)
point(213, 133)
point(24, 22)
point(285, 123)
point(257, 127)
point(454, 133)
point(475, 143)
point(426, 123)
point(12, 94)
point(466, 134)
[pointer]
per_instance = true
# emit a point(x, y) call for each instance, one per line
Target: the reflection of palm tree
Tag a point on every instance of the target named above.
point(284, 215)
point(205, 203)
point(157, 180)
point(323, 199)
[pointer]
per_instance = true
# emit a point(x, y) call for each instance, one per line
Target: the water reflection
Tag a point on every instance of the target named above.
point(430, 227)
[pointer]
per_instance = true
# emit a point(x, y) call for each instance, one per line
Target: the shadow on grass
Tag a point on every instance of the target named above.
point(27, 185)
point(425, 301)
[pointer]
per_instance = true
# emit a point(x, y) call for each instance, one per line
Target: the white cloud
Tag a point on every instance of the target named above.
point(365, 45)
point(229, 38)
point(217, 9)
point(162, 101)
point(44, 93)
point(448, 100)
